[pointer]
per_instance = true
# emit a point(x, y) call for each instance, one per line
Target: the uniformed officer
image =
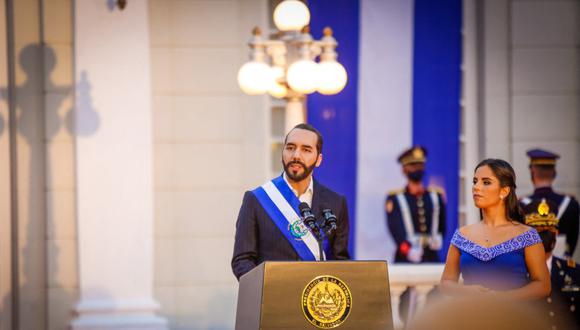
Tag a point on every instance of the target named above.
point(415, 215)
point(543, 172)
point(562, 304)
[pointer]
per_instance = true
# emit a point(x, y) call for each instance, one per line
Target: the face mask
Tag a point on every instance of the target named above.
point(416, 176)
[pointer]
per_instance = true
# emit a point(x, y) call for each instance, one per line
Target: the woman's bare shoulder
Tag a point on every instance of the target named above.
point(468, 229)
point(520, 228)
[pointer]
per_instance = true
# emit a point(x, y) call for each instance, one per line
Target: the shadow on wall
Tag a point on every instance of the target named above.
point(90, 120)
point(40, 111)
point(112, 4)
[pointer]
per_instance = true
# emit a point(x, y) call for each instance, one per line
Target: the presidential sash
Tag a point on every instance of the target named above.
point(281, 204)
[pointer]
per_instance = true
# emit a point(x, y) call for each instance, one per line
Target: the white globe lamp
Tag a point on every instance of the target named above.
point(302, 76)
point(255, 78)
point(332, 77)
point(291, 15)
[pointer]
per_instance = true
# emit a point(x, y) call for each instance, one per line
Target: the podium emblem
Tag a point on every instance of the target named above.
point(326, 302)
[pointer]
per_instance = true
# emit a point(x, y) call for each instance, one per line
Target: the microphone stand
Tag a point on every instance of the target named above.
point(327, 225)
point(310, 220)
point(320, 240)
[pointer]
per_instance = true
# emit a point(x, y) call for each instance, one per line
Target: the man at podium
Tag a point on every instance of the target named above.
point(270, 226)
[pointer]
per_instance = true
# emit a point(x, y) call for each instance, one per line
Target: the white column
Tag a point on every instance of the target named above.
point(396, 292)
point(496, 80)
point(114, 167)
point(295, 113)
point(422, 293)
point(384, 122)
point(471, 121)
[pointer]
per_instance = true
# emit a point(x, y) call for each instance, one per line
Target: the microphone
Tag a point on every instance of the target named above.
point(309, 219)
point(329, 220)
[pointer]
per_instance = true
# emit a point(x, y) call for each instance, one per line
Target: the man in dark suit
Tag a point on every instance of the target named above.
point(561, 306)
point(269, 225)
point(415, 214)
point(543, 172)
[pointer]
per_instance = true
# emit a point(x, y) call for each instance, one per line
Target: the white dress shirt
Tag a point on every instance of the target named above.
point(306, 197)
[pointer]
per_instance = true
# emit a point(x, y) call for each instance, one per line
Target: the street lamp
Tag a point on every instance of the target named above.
point(286, 67)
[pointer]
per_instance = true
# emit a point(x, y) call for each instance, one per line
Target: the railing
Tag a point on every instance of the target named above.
point(422, 278)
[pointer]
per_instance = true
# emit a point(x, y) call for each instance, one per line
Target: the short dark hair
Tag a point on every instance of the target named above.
point(544, 172)
point(548, 240)
point(310, 128)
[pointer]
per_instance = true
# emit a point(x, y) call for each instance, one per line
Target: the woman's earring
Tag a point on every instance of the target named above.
point(501, 196)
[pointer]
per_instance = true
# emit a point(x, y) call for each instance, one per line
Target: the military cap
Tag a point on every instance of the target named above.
point(541, 214)
point(542, 157)
point(416, 154)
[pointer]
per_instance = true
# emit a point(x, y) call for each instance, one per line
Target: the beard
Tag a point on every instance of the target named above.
point(295, 176)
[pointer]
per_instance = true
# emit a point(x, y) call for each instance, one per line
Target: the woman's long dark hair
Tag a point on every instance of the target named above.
point(507, 178)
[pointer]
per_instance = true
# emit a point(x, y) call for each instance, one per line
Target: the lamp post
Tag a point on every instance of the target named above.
point(285, 67)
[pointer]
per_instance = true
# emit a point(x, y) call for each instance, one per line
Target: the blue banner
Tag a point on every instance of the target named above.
point(336, 115)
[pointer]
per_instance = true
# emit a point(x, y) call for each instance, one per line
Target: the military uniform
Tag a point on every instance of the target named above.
point(561, 305)
point(568, 209)
point(567, 213)
point(416, 222)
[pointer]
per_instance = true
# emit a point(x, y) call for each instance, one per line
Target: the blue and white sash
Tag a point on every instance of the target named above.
point(526, 201)
point(282, 206)
point(563, 206)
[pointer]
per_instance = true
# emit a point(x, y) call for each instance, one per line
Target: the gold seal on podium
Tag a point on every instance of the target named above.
point(326, 302)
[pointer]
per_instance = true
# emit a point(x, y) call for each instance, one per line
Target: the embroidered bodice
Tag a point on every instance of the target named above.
point(499, 267)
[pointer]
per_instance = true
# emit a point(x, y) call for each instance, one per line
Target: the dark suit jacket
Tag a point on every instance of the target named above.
point(258, 239)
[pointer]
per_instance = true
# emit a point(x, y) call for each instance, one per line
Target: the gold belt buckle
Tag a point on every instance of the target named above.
point(424, 240)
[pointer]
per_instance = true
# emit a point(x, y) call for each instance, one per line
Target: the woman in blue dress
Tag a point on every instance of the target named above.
point(500, 254)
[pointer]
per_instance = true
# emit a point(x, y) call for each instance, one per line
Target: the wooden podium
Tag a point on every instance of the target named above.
point(311, 295)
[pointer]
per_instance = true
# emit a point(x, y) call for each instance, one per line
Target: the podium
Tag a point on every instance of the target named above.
point(315, 295)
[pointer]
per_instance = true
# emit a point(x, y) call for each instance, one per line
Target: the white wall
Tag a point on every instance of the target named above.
point(31, 177)
point(5, 209)
point(545, 37)
point(210, 145)
point(61, 236)
point(531, 73)
point(44, 175)
point(531, 86)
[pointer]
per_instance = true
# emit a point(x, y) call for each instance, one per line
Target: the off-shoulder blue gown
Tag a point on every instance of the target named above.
point(498, 267)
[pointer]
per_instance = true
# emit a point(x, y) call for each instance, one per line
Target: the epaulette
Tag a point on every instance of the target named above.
point(396, 192)
point(571, 263)
point(389, 205)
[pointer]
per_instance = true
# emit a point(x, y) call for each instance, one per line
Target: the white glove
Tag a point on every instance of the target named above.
point(415, 254)
point(435, 242)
